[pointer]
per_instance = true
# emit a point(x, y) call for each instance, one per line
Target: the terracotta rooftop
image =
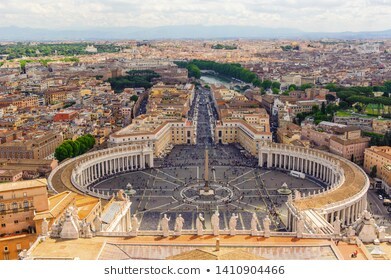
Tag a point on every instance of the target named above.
point(232, 247)
point(211, 254)
point(23, 185)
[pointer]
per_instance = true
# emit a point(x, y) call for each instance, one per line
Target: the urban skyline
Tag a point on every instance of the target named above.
point(200, 139)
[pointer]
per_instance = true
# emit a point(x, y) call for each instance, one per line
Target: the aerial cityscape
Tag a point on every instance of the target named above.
point(272, 144)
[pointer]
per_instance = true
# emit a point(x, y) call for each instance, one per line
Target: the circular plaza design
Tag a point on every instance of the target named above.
point(229, 181)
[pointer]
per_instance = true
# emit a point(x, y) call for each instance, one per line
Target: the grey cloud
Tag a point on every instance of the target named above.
point(312, 15)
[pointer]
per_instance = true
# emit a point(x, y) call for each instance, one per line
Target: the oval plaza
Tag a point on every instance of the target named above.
point(204, 165)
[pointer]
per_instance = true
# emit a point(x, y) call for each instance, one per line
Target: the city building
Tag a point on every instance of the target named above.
point(165, 123)
point(40, 147)
point(65, 116)
point(10, 175)
point(339, 139)
point(158, 132)
point(240, 120)
point(379, 156)
point(381, 126)
point(18, 203)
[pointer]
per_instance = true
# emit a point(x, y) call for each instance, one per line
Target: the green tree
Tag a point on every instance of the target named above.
point(266, 84)
point(292, 87)
point(331, 108)
point(193, 71)
point(276, 85)
point(387, 86)
point(275, 90)
point(61, 153)
point(330, 97)
point(134, 98)
point(305, 86)
point(343, 105)
point(358, 108)
point(68, 147)
point(323, 108)
point(75, 148)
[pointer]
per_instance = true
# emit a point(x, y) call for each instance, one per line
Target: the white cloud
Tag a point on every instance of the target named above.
point(308, 15)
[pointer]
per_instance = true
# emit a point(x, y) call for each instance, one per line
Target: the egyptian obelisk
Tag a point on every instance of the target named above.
point(206, 190)
point(206, 176)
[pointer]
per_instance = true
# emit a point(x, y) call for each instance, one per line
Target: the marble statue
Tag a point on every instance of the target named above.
point(300, 227)
point(179, 221)
point(70, 228)
point(266, 225)
point(254, 224)
point(164, 225)
point(366, 228)
point(121, 195)
point(44, 227)
point(55, 230)
point(215, 221)
point(350, 232)
point(381, 231)
point(232, 224)
point(74, 212)
point(86, 230)
point(135, 225)
point(98, 224)
point(337, 226)
point(200, 224)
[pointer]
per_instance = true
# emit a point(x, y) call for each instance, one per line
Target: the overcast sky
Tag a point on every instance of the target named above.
point(307, 15)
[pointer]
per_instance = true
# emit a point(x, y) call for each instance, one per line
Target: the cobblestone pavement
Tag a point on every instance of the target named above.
point(161, 190)
point(239, 185)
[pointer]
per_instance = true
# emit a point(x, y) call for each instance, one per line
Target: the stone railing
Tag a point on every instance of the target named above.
point(334, 162)
point(90, 159)
point(210, 232)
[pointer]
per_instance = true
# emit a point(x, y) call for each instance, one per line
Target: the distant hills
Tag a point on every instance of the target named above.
point(13, 33)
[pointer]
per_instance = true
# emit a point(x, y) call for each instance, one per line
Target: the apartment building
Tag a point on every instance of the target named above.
point(379, 156)
point(40, 147)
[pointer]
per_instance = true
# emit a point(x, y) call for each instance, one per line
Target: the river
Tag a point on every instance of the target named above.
point(211, 79)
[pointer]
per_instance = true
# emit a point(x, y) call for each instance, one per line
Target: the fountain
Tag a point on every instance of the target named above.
point(284, 190)
point(129, 190)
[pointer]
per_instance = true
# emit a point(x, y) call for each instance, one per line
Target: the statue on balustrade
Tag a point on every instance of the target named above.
point(254, 224)
point(215, 221)
point(86, 230)
point(165, 226)
point(121, 195)
point(300, 227)
point(337, 226)
point(266, 226)
point(233, 221)
point(135, 225)
point(179, 221)
point(200, 224)
point(97, 224)
point(55, 230)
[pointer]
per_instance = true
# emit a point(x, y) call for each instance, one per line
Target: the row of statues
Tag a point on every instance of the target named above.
point(200, 224)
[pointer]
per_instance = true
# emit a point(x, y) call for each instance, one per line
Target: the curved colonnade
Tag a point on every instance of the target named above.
point(88, 169)
point(345, 197)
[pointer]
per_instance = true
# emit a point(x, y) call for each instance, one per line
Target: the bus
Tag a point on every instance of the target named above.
point(297, 174)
